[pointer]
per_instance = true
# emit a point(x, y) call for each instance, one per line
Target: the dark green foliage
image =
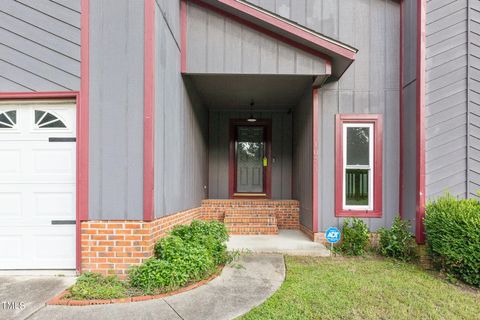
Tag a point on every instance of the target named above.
point(190, 253)
point(211, 235)
point(397, 242)
point(96, 286)
point(453, 237)
point(355, 237)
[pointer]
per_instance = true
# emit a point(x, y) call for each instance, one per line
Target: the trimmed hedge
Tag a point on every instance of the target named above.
point(453, 237)
point(190, 253)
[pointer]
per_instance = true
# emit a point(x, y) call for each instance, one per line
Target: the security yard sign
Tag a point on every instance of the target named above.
point(332, 235)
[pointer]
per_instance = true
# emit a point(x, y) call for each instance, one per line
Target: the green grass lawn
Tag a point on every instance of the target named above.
point(365, 288)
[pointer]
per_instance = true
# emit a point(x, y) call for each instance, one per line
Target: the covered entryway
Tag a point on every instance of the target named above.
point(37, 184)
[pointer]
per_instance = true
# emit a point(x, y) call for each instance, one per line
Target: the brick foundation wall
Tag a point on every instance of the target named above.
point(110, 247)
point(287, 212)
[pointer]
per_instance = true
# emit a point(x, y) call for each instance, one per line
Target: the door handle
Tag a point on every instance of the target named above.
point(61, 139)
point(56, 222)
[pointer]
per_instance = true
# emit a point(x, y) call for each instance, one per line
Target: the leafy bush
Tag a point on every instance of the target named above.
point(453, 237)
point(211, 235)
point(397, 242)
point(190, 253)
point(355, 237)
point(96, 286)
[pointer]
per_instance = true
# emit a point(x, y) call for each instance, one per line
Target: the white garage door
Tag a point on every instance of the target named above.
point(37, 185)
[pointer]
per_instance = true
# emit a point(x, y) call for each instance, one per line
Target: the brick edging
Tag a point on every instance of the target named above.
point(57, 300)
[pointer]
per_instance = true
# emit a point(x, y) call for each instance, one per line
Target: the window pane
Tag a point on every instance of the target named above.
point(356, 187)
point(38, 115)
point(250, 151)
point(4, 119)
point(55, 124)
point(358, 146)
point(48, 117)
point(12, 115)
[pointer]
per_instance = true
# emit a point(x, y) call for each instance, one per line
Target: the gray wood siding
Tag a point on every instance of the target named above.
point(371, 85)
point(39, 45)
point(181, 128)
point(216, 44)
point(473, 173)
point(303, 158)
point(409, 115)
point(281, 151)
point(116, 109)
point(446, 98)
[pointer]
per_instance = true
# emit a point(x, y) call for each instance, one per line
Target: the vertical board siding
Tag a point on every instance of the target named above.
point(370, 85)
point(39, 45)
point(116, 109)
point(281, 151)
point(409, 112)
point(473, 146)
point(217, 44)
point(181, 126)
point(446, 98)
point(303, 157)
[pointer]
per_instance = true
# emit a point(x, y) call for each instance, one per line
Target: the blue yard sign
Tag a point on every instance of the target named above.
point(332, 235)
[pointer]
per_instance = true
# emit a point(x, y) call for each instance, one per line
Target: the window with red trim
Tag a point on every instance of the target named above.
point(358, 165)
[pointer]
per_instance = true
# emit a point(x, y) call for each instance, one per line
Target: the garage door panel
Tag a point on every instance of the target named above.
point(11, 245)
point(10, 163)
point(10, 205)
point(55, 251)
point(55, 204)
point(53, 162)
point(37, 186)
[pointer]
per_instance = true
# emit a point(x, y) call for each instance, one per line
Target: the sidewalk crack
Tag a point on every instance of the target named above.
point(178, 314)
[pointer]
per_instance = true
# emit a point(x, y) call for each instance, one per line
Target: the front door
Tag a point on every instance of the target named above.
point(250, 158)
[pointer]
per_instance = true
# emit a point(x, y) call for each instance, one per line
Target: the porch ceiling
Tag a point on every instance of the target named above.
point(237, 91)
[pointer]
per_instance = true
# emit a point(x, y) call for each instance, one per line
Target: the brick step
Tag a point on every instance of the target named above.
point(261, 219)
point(251, 222)
point(252, 229)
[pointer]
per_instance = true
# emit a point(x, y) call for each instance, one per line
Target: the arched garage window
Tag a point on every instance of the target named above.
point(8, 119)
point(358, 169)
point(45, 119)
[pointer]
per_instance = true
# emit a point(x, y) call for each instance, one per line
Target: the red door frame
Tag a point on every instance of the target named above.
point(232, 165)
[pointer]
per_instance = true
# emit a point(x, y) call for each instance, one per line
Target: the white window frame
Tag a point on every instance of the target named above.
point(369, 167)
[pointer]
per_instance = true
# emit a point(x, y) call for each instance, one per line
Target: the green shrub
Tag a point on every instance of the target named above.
point(452, 229)
point(211, 235)
point(96, 286)
point(397, 242)
point(190, 253)
point(355, 237)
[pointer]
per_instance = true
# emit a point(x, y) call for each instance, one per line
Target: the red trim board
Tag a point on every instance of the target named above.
point(232, 172)
point(421, 39)
point(376, 120)
point(401, 110)
point(328, 60)
point(315, 111)
point(148, 110)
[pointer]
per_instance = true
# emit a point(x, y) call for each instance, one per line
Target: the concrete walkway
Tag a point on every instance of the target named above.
point(292, 242)
point(241, 286)
point(20, 296)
